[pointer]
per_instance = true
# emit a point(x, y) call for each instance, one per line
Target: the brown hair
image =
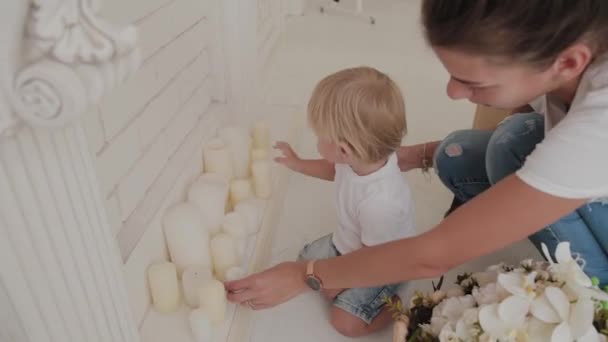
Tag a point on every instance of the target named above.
point(361, 107)
point(529, 31)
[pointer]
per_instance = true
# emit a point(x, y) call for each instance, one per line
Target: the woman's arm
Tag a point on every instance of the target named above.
point(509, 211)
point(412, 157)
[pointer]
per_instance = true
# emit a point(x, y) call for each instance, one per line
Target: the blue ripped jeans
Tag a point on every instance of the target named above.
point(470, 161)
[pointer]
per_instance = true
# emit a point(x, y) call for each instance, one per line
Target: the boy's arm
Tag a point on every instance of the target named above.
point(318, 168)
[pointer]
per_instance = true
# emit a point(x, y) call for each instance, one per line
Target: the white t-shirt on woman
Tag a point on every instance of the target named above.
point(572, 160)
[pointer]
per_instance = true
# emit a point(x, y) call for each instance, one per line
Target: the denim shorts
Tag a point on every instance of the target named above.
point(365, 303)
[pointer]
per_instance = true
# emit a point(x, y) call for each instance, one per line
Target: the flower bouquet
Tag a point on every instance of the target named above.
point(534, 301)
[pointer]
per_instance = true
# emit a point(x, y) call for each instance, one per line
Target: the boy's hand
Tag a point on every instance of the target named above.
point(289, 158)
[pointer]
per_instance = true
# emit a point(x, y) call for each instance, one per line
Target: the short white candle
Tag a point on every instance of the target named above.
point(261, 135)
point(200, 324)
point(262, 184)
point(193, 278)
point(164, 287)
point(224, 253)
point(240, 190)
point(212, 299)
point(217, 158)
point(210, 194)
point(235, 225)
point(239, 142)
point(252, 211)
point(187, 239)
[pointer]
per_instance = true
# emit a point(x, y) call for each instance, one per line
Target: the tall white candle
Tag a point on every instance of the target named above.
point(235, 273)
point(235, 225)
point(240, 190)
point(187, 239)
point(217, 158)
point(239, 142)
point(200, 324)
point(261, 135)
point(224, 253)
point(252, 210)
point(193, 278)
point(259, 154)
point(262, 183)
point(164, 287)
point(212, 299)
point(210, 193)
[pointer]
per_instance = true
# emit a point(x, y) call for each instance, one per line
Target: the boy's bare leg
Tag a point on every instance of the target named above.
point(331, 294)
point(352, 326)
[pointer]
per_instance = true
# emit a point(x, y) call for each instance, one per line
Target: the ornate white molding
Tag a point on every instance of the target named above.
point(62, 59)
point(61, 277)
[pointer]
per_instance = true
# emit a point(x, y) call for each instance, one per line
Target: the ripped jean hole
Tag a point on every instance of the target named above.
point(453, 150)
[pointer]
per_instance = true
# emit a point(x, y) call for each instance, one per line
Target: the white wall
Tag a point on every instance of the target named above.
point(148, 133)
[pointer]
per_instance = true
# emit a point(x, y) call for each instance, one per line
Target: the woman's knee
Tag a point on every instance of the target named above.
point(512, 141)
point(460, 158)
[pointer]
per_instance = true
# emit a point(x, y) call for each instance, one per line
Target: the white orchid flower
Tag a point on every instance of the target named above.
point(520, 285)
point(485, 278)
point(507, 319)
point(566, 269)
point(447, 334)
point(489, 294)
point(452, 308)
point(466, 328)
point(570, 322)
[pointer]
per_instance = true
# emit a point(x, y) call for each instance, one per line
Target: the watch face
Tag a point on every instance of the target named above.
point(313, 283)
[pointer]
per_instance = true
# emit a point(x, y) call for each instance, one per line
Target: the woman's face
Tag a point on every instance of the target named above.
point(501, 86)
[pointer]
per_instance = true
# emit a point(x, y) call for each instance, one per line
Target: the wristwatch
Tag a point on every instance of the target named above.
point(311, 279)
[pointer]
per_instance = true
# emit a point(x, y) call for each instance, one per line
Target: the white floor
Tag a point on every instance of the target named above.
point(314, 46)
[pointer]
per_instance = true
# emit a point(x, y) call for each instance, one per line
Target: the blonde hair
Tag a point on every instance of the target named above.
point(361, 107)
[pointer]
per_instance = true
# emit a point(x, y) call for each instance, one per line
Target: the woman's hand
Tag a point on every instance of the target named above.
point(266, 289)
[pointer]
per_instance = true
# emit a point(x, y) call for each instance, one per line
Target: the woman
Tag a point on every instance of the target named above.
point(504, 54)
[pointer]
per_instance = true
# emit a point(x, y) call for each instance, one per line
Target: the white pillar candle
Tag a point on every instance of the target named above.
point(261, 135)
point(239, 142)
point(200, 324)
point(187, 238)
point(259, 154)
point(224, 253)
point(235, 225)
point(252, 210)
point(240, 190)
point(217, 158)
point(262, 184)
point(212, 299)
point(235, 273)
point(193, 278)
point(164, 287)
point(210, 193)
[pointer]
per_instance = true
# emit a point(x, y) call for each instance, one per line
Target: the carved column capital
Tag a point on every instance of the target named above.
point(62, 59)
